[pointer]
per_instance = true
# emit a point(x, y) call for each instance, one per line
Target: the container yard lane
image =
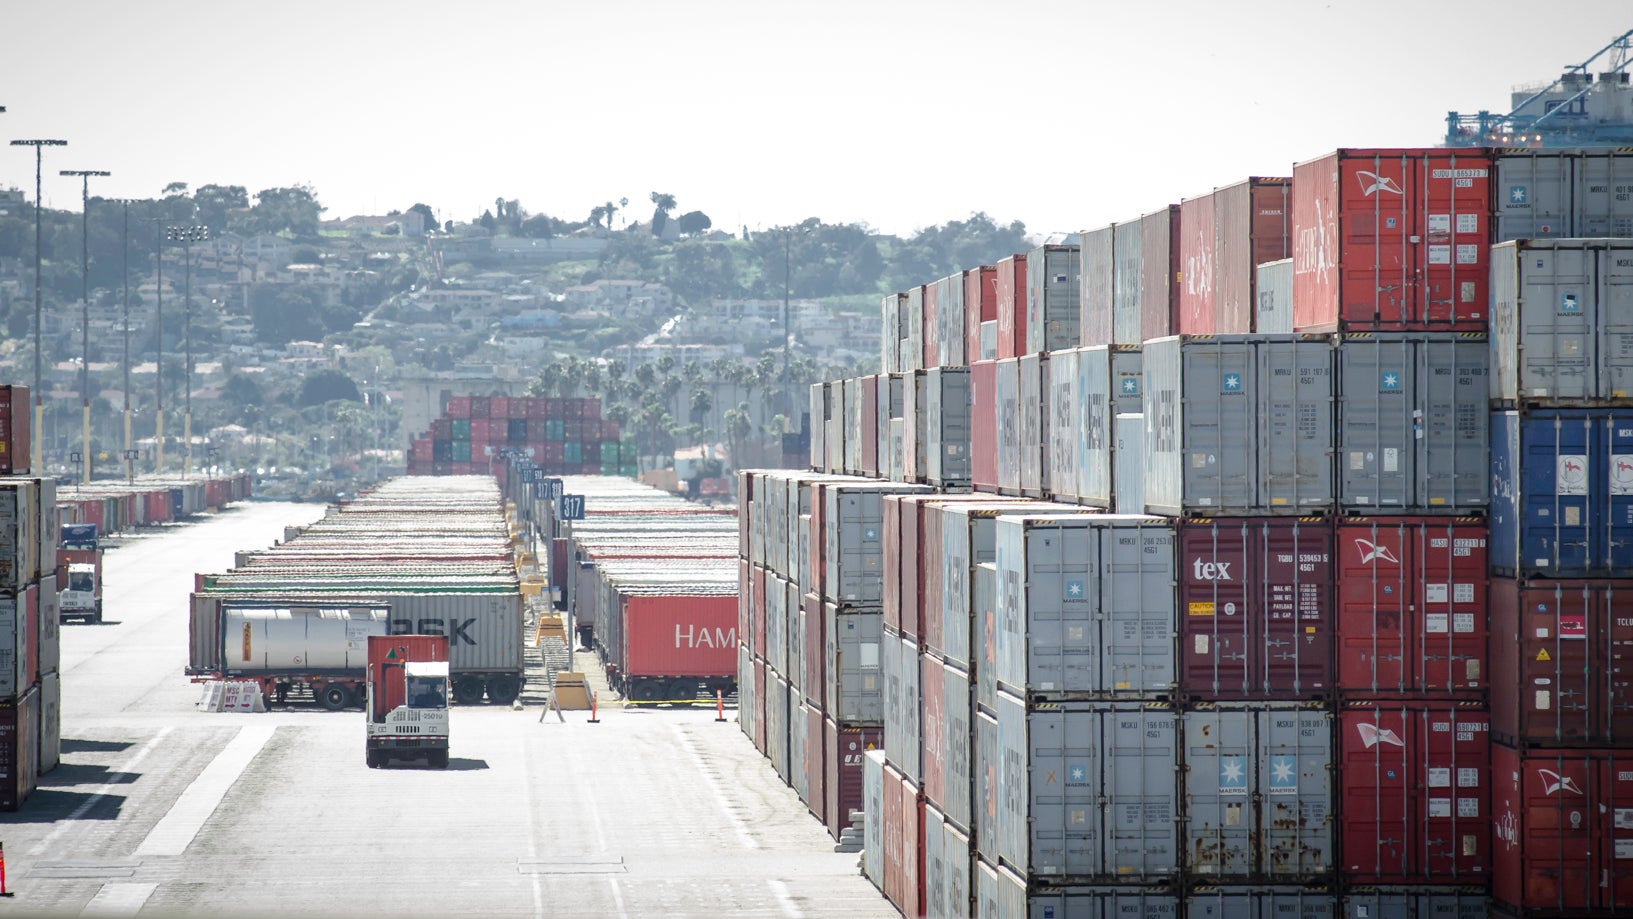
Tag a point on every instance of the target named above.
point(158, 808)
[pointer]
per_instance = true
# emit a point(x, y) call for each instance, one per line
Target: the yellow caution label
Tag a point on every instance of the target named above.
point(1202, 608)
point(1543, 655)
point(1309, 630)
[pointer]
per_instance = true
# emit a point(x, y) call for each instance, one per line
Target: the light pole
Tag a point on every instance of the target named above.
point(158, 348)
point(187, 236)
point(124, 262)
point(85, 310)
point(37, 460)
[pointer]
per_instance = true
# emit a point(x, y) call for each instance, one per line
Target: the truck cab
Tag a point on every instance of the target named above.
point(79, 573)
point(407, 700)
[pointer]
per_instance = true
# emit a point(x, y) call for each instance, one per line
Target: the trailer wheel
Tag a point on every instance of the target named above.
point(468, 690)
point(503, 689)
point(645, 692)
point(335, 696)
point(682, 693)
point(372, 757)
point(96, 617)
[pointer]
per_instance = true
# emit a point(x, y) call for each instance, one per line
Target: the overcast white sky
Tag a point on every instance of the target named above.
point(897, 113)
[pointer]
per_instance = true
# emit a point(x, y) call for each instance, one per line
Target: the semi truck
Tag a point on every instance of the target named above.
point(407, 702)
point(79, 573)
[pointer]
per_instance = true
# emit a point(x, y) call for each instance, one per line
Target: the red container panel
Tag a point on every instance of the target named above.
point(983, 425)
point(816, 667)
point(1565, 651)
point(1198, 258)
point(980, 305)
point(683, 636)
point(19, 748)
point(1415, 793)
point(1395, 239)
point(933, 727)
point(842, 753)
point(1257, 612)
point(1227, 234)
point(816, 771)
point(930, 574)
point(1412, 607)
point(1562, 836)
point(870, 425)
point(895, 826)
point(389, 684)
point(912, 886)
point(16, 420)
point(1159, 272)
point(1011, 305)
point(757, 586)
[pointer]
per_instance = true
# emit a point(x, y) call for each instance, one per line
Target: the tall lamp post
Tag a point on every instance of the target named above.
point(85, 309)
point(158, 358)
point(124, 262)
point(187, 236)
point(37, 460)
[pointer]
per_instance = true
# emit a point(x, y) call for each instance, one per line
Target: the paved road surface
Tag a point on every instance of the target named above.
point(159, 809)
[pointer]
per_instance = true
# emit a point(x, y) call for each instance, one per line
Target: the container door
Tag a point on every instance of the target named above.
point(1220, 804)
point(1137, 609)
point(1219, 414)
point(1375, 383)
point(1554, 481)
point(1615, 657)
point(1556, 687)
point(1376, 798)
point(1294, 780)
point(1453, 461)
point(1292, 564)
point(1453, 833)
point(1617, 527)
point(1141, 756)
point(1216, 632)
point(1450, 595)
point(1295, 425)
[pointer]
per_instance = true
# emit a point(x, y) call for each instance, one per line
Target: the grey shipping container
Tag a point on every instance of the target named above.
point(1034, 438)
point(1019, 900)
point(957, 855)
point(1065, 405)
point(966, 541)
point(48, 530)
point(835, 437)
point(1284, 902)
point(1007, 393)
point(854, 694)
point(1086, 606)
point(1273, 314)
point(1053, 292)
point(950, 334)
point(1238, 424)
point(1087, 790)
point(798, 738)
point(1571, 192)
point(890, 320)
point(986, 768)
point(853, 426)
point(959, 753)
point(883, 406)
point(1128, 463)
point(984, 633)
point(1562, 321)
point(50, 721)
point(776, 724)
point(1258, 792)
point(854, 552)
point(50, 629)
point(933, 863)
point(912, 700)
point(989, 340)
point(1414, 903)
point(776, 623)
point(746, 702)
point(986, 890)
point(890, 672)
point(1413, 416)
point(873, 817)
point(915, 427)
point(1128, 251)
point(1097, 286)
point(1109, 381)
point(947, 404)
point(911, 350)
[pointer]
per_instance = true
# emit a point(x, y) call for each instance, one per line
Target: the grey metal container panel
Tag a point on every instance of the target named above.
point(1049, 819)
point(984, 633)
point(1096, 283)
point(890, 671)
point(897, 457)
point(1201, 407)
point(50, 603)
point(989, 340)
point(1087, 902)
point(1273, 314)
point(835, 437)
point(1136, 594)
point(1262, 903)
point(1127, 379)
point(798, 735)
point(1053, 295)
point(889, 333)
point(1033, 439)
point(1140, 752)
point(986, 891)
point(854, 694)
point(853, 426)
point(881, 424)
point(855, 552)
point(917, 421)
point(1570, 192)
point(1616, 323)
point(1066, 407)
point(50, 721)
point(1007, 391)
point(796, 653)
point(1128, 463)
point(1096, 394)
point(776, 724)
point(1603, 204)
point(1295, 772)
point(1454, 453)
point(912, 347)
point(776, 624)
point(987, 803)
point(1011, 894)
point(873, 817)
point(745, 690)
point(484, 630)
point(1128, 249)
point(957, 855)
point(1542, 322)
point(1376, 423)
point(1048, 641)
point(912, 699)
point(951, 339)
point(933, 863)
point(806, 583)
point(1222, 825)
point(960, 746)
point(957, 587)
point(948, 404)
point(1413, 903)
point(1296, 416)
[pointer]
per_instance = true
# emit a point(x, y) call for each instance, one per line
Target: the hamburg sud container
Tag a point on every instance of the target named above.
point(1011, 305)
point(1257, 789)
point(1569, 192)
point(1159, 272)
point(1563, 648)
point(947, 419)
point(1561, 329)
point(1412, 607)
point(1128, 256)
point(1052, 298)
point(1096, 294)
point(1413, 417)
point(1256, 615)
point(1085, 606)
point(1562, 492)
point(1226, 234)
point(1108, 383)
point(1392, 240)
point(1415, 801)
point(980, 305)
point(1562, 834)
point(1238, 424)
point(1084, 790)
point(984, 445)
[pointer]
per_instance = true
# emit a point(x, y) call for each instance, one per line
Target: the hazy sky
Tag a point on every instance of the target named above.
point(899, 113)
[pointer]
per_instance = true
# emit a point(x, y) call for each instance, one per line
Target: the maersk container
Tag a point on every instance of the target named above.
point(1031, 393)
point(1008, 413)
point(957, 856)
point(1276, 902)
point(853, 694)
point(1128, 464)
point(1066, 407)
point(984, 445)
point(1097, 286)
point(1086, 606)
point(1087, 790)
point(1128, 261)
point(1562, 493)
point(958, 756)
point(1109, 382)
point(1274, 312)
point(1238, 424)
point(854, 553)
point(1412, 422)
point(1258, 792)
point(873, 817)
point(947, 411)
point(1561, 329)
point(1562, 192)
point(1398, 902)
point(1052, 298)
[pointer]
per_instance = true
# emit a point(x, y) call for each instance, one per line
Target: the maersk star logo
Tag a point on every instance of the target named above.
point(870, 534)
point(1282, 776)
point(1371, 182)
point(1130, 385)
point(1553, 782)
point(1233, 382)
point(1077, 774)
point(1390, 380)
point(1074, 590)
point(1518, 194)
point(1371, 552)
point(1232, 774)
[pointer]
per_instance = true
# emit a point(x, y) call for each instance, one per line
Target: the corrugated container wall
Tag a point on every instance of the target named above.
point(1097, 291)
point(947, 410)
point(1275, 297)
point(1066, 406)
point(1562, 321)
point(1572, 192)
point(1562, 648)
point(819, 425)
point(1031, 392)
point(931, 317)
point(1011, 296)
point(984, 431)
point(1159, 272)
point(1128, 463)
point(1127, 240)
point(1109, 382)
point(890, 312)
point(980, 306)
point(1008, 443)
point(1227, 234)
point(1053, 290)
point(912, 345)
point(951, 341)
point(1563, 835)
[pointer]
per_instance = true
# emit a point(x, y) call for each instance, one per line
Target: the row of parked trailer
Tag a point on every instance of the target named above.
point(411, 556)
point(648, 579)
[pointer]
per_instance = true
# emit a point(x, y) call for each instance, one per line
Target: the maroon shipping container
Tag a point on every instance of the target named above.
point(1159, 272)
point(933, 728)
point(842, 753)
point(459, 407)
point(1227, 234)
point(1412, 607)
point(15, 424)
point(912, 883)
point(19, 748)
point(816, 647)
point(870, 425)
point(1011, 305)
point(1256, 596)
point(984, 425)
point(1562, 836)
point(1564, 650)
point(758, 577)
point(980, 305)
point(1415, 793)
point(816, 769)
point(1395, 239)
point(931, 326)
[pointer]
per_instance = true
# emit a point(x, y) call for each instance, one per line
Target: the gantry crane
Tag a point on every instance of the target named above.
point(1580, 109)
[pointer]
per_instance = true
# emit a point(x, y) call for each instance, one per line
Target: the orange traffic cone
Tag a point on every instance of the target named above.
point(3, 891)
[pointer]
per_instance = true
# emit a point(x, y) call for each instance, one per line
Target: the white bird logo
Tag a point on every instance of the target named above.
point(1553, 781)
point(1372, 735)
point(1371, 182)
point(1371, 551)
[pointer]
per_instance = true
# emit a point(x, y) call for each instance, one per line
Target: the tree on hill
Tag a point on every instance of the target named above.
point(327, 386)
point(663, 203)
point(692, 223)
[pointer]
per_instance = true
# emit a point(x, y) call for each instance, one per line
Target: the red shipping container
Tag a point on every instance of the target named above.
point(759, 706)
point(1412, 607)
point(421, 451)
point(499, 407)
point(1562, 836)
point(816, 638)
point(1392, 239)
point(553, 408)
point(757, 584)
point(1415, 793)
point(609, 430)
point(679, 635)
point(912, 889)
point(1565, 650)
point(870, 424)
point(19, 748)
point(930, 575)
point(1159, 272)
point(459, 407)
point(1257, 612)
point(1011, 305)
point(894, 825)
point(984, 425)
point(842, 753)
point(1226, 235)
point(479, 431)
point(383, 649)
point(16, 422)
point(534, 407)
point(816, 771)
point(980, 305)
point(933, 727)
point(480, 406)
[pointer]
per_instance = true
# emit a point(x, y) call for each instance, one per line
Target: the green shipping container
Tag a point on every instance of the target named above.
point(462, 431)
point(554, 429)
point(462, 451)
point(572, 453)
point(609, 466)
point(631, 471)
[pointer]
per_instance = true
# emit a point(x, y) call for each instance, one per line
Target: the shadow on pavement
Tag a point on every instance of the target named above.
point(50, 805)
point(72, 745)
point(459, 763)
point(85, 774)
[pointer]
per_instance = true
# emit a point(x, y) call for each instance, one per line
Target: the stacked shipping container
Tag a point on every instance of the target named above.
point(562, 436)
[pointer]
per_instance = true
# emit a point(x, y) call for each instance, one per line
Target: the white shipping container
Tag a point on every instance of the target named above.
point(855, 551)
point(819, 425)
point(1007, 392)
point(1273, 314)
point(947, 454)
point(1109, 381)
point(1031, 397)
point(853, 426)
point(873, 817)
point(934, 865)
point(50, 624)
point(1128, 463)
point(49, 530)
point(50, 721)
point(1066, 407)
point(1561, 326)
point(19, 535)
point(957, 856)
point(14, 637)
point(834, 440)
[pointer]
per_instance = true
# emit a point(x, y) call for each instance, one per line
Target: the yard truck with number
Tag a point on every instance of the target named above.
point(407, 702)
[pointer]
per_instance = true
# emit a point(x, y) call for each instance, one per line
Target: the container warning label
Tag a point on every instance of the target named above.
point(1203, 608)
point(1200, 644)
point(1392, 459)
point(1543, 655)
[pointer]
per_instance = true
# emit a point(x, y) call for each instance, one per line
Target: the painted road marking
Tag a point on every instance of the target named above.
point(779, 890)
point(103, 792)
point(749, 842)
point(119, 899)
point(176, 830)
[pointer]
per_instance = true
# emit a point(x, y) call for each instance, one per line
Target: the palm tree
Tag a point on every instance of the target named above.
point(664, 203)
point(738, 428)
point(701, 404)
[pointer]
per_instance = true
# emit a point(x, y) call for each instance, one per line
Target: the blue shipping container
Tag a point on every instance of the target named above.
point(1562, 493)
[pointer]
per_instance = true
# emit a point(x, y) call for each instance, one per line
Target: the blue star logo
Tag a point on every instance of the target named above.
point(870, 534)
point(1232, 774)
point(1391, 380)
point(1233, 382)
point(1569, 303)
point(1518, 194)
point(1077, 774)
point(1131, 385)
point(1074, 590)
